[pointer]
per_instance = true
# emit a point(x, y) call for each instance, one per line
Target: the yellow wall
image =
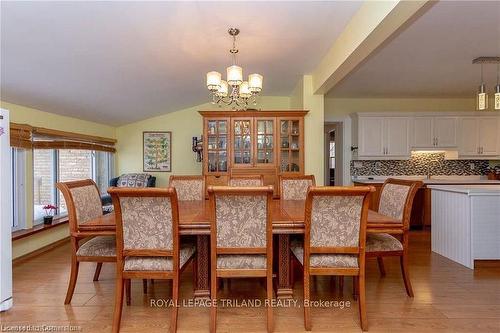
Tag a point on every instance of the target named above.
point(184, 124)
point(25, 115)
point(341, 107)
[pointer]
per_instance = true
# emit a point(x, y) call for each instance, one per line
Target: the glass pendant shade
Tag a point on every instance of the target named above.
point(482, 98)
point(244, 91)
point(234, 75)
point(213, 80)
point(497, 97)
point(223, 89)
point(255, 82)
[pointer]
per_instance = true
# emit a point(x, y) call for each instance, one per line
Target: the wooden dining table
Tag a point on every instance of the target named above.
point(287, 219)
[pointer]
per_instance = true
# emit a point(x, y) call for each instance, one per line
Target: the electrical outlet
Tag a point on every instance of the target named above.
point(358, 164)
point(472, 166)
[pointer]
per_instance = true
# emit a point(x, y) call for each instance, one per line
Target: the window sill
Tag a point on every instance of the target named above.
point(16, 235)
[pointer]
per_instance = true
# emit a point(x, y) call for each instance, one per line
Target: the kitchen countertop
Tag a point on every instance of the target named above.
point(434, 180)
point(469, 189)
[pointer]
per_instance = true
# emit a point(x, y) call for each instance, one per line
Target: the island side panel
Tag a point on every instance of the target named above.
point(486, 226)
point(451, 226)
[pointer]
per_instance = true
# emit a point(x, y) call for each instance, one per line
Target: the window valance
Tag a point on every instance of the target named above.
point(26, 136)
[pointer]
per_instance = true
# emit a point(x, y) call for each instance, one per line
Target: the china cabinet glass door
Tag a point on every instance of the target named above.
point(265, 141)
point(290, 155)
point(242, 142)
point(217, 145)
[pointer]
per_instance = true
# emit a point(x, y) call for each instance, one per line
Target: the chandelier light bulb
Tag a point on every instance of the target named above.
point(223, 89)
point(234, 75)
point(255, 83)
point(244, 90)
point(213, 80)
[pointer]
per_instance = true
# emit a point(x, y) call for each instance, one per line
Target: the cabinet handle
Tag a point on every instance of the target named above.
point(481, 150)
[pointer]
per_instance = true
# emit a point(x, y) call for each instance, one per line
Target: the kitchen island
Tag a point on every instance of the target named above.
point(422, 205)
point(466, 222)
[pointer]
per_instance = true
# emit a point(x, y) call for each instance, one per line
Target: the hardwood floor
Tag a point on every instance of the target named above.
point(448, 298)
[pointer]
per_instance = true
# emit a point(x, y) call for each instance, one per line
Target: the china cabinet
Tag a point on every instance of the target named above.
point(268, 143)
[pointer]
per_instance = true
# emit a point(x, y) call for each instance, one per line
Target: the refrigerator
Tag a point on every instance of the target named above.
point(5, 213)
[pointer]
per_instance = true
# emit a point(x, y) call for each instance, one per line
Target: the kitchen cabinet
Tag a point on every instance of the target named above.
point(385, 137)
point(268, 143)
point(434, 132)
point(478, 137)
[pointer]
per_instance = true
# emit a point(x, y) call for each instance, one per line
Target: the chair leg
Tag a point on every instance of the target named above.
point(406, 274)
point(117, 316)
point(72, 280)
point(362, 303)
point(381, 266)
point(269, 291)
point(341, 285)
point(307, 297)
point(145, 286)
point(355, 290)
point(97, 271)
point(175, 298)
point(128, 284)
point(213, 308)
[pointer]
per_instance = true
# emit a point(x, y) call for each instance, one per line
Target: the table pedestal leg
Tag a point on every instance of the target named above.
point(284, 283)
point(202, 269)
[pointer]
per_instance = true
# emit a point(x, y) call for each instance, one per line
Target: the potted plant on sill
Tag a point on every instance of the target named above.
point(49, 213)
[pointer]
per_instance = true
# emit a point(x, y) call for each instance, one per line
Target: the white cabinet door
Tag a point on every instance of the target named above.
point(422, 134)
point(371, 130)
point(488, 136)
point(469, 137)
point(396, 136)
point(445, 132)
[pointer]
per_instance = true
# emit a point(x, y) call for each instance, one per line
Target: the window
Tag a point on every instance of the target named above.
point(44, 179)
point(18, 189)
point(61, 165)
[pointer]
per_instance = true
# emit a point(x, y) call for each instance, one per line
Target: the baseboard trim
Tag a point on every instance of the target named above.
point(40, 251)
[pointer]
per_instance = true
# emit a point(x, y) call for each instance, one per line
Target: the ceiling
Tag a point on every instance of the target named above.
point(119, 62)
point(432, 57)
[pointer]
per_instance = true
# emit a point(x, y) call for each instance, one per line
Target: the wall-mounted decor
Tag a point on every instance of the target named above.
point(157, 151)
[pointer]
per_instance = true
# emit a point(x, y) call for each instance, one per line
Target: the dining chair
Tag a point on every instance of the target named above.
point(396, 200)
point(334, 239)
point(246, 180)
point(241, 240)
point(83, 202)
point(147, 242)
point(189, 188)
point(294, 187)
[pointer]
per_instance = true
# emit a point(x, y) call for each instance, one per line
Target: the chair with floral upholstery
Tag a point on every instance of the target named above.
point(189, 188)
point(148, 244)
point(294, 187)
point(396, 200)
point(84, 204)
point(334, 239)
point(241, 240)
point(246, 180)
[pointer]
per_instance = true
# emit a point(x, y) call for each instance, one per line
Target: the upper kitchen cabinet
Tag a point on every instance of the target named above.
point(479, 137)
point(434, 132)
point(383, 137)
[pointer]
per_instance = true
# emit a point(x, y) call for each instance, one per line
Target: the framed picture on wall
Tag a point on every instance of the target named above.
point(157, 151)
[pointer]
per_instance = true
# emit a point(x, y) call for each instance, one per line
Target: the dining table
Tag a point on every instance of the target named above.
point(287, 219)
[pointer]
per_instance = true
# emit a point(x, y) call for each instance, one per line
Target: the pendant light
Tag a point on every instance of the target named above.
point(482, 96)
point(497, 89)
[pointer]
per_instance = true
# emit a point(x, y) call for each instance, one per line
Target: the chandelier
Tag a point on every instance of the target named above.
point(242, 92)
point(482, 94)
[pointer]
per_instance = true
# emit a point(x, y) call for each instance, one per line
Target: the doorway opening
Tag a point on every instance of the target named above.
point(333, 154)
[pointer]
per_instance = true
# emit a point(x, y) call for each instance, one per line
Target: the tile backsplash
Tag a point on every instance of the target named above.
point(420, 163)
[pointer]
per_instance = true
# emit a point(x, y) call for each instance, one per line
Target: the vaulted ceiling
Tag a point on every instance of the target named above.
point(118, 62)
